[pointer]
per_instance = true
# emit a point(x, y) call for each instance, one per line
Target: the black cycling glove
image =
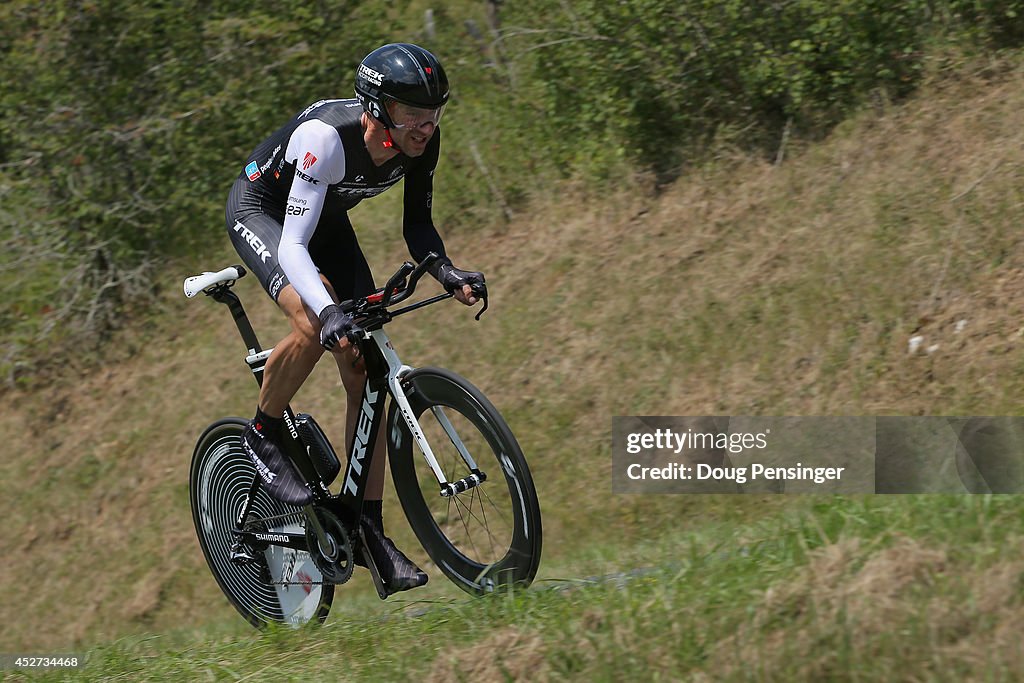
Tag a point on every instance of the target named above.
point(451, 278)
point(336, 324)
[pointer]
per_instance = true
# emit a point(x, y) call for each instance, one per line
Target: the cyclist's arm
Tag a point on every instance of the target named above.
point(319, 159)
point(418, 225)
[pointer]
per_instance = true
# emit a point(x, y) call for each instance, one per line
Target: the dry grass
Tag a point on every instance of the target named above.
point(507, 654)
point(853, 605)
point(744, 289)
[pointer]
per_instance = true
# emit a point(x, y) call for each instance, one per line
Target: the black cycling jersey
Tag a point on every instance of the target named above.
point(300, 183)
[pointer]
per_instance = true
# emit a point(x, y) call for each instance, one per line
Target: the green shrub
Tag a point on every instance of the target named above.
point(122, 124)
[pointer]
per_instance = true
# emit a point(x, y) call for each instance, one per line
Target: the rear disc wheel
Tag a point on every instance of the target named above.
point(219, 484)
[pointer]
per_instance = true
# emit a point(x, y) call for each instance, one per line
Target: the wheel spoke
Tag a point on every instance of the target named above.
point(469, 510)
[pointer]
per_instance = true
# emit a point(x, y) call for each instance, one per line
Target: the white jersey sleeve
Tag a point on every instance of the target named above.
point(319, 157)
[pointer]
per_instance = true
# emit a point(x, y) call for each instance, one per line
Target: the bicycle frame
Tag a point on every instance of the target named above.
point(384, 372)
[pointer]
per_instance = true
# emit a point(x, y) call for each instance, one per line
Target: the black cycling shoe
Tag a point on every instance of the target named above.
point(277, 474)
point(397, 571)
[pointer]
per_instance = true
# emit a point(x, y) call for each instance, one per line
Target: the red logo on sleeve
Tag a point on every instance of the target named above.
point(308, 161)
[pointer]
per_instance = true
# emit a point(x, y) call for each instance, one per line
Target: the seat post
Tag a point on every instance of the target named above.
point(225, 296)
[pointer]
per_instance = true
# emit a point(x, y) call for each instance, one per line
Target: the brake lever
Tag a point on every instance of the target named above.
point(397, 281)
point(483, 295)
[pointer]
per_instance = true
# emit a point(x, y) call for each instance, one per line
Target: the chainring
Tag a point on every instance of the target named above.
point(336, 563)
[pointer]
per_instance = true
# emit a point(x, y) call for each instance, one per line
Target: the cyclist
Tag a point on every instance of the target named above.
point(287, 216)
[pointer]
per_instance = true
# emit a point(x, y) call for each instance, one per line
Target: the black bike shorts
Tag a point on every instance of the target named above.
point(255, 228)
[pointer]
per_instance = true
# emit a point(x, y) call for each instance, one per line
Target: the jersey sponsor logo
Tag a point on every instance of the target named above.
point(253, 240)
point(360, 179)
point(308, 178)
point(268, 162)
point(353, 104)
point(397, 172)
point(296, 210)
point(371, 75)
point(308, 161)
point(318, 103)
point(296, 200)
point(252, 170)
point(360, 192)
point(275, 285)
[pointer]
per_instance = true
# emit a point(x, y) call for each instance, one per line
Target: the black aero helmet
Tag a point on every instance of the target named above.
point(404, 73)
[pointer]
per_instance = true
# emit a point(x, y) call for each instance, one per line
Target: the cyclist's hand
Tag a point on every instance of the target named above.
point(465, 295)
point(335, 326)
point(467, 285)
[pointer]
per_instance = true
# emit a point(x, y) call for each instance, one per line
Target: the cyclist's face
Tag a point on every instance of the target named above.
point(414, 126)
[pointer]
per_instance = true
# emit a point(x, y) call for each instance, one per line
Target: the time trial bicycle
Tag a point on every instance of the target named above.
point(467, 491)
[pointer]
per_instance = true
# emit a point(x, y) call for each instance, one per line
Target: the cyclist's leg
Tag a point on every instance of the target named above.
point(336, 252)
point(294, 357)
point(256, 235)
point(353, 377)
point(350, 274)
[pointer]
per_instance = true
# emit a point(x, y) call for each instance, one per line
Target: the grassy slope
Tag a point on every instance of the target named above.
point(745, 289)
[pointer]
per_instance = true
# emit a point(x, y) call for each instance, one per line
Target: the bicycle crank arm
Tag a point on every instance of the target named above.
point(318, 529)
point(364, 552)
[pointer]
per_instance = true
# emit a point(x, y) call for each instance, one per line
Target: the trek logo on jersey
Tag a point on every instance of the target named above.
point(255, 242)
point(358, 192)
point(252, 170)
point(308, 178)
point(371, 75)
point(308, 161)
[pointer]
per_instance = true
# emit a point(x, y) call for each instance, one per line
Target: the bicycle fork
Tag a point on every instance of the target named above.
point(396, 371)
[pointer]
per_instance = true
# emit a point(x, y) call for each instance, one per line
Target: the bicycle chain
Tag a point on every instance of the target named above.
point(300, 518)
point(297, 583)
